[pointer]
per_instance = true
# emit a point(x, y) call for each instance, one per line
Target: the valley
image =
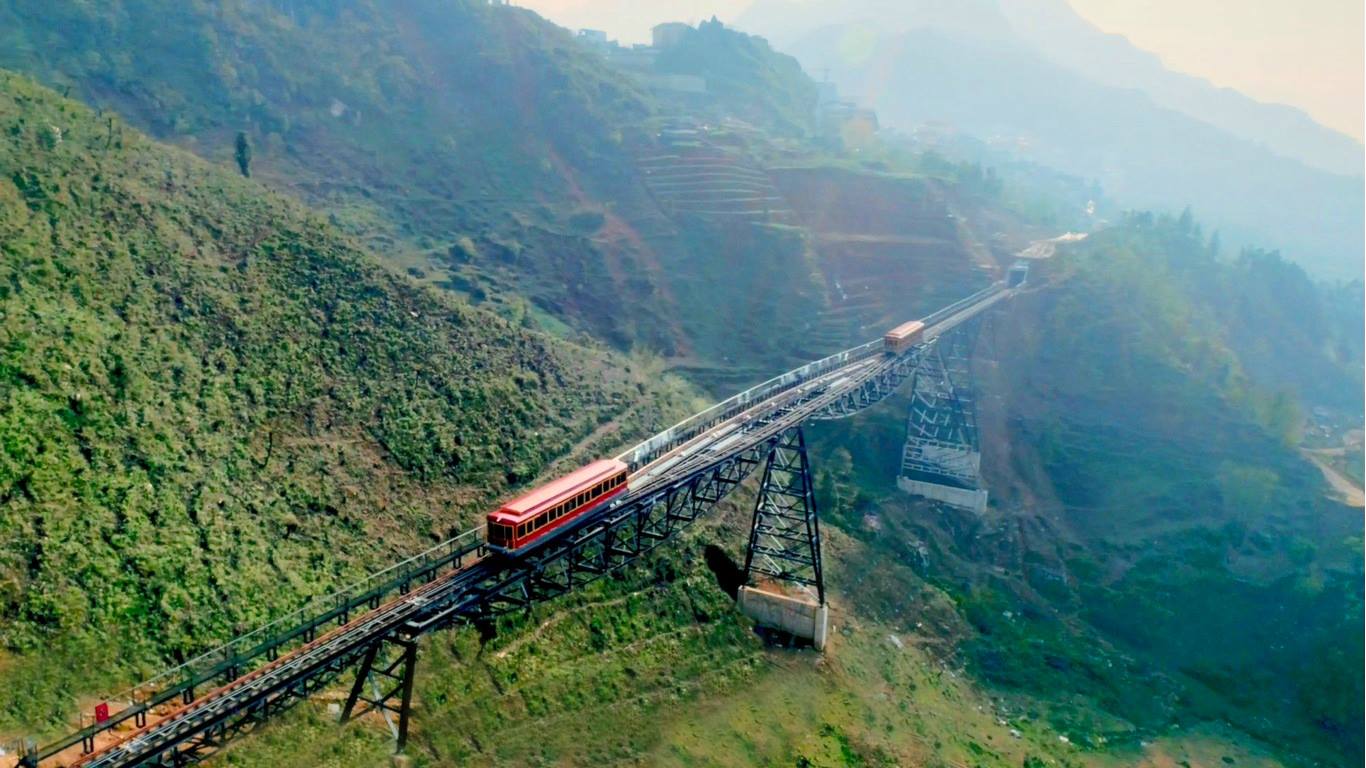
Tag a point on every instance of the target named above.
point(474, 253)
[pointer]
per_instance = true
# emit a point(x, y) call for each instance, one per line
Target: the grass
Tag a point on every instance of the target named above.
point(214, 406)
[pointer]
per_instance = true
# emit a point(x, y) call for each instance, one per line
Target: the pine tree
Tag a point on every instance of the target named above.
point(244, 153)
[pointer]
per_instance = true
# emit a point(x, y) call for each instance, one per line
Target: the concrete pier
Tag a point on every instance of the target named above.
point(971, 499)
point(796, 616)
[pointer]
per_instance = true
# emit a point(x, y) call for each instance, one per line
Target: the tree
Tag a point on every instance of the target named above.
point(244, 153)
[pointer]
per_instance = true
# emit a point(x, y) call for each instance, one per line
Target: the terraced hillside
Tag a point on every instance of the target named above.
point(889, 247)
point(697, 179)
point(482, 150)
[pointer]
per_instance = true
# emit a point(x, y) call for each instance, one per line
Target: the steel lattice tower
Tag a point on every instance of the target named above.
point(785, 537)
point(942, 458)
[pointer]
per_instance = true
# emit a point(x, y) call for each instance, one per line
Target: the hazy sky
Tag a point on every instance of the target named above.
point(1307, 53)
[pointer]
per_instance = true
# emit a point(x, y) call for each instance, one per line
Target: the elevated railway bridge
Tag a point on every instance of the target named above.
point(373, 626)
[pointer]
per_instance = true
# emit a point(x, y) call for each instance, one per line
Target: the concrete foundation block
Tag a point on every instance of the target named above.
point(798, 617)
point(974, 500)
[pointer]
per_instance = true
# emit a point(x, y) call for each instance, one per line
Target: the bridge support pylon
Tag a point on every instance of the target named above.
point(942, 459)
point(784, 585)
point(388, 668)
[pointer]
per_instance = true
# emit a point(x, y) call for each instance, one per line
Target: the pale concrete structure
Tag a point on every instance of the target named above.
point(972, 499)
point(795, 616)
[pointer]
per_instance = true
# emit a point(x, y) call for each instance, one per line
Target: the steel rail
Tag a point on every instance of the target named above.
point(758, 415)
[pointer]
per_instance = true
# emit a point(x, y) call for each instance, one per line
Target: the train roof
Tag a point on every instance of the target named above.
point(535, 500)
point(905, 329)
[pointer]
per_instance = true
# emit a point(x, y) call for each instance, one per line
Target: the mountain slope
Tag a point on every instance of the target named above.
point(1144, 155)
point(744, 74)
point(991, 82)
point(212, 405)
point(1056, 30)
point(1156, 556)
point(471, 143)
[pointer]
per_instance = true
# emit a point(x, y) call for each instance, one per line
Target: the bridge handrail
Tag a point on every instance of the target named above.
point(250, 645)
point(232, 655)
point(349, 596)
point(690, 427)
point(958, 306)
point(645, 451)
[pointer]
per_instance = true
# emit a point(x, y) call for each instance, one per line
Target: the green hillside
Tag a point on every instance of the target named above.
point(1162, 401)
point(748, 77)
point(224, 395)
point(1157, 556)
point(473, 144)
point(477, 147)
point(214, 405)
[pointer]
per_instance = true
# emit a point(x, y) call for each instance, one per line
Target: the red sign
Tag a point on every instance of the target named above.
point(101, 711)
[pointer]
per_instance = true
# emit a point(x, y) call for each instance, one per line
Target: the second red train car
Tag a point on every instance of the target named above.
point(531, 516)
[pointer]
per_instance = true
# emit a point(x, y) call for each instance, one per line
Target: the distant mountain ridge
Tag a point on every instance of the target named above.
point(1113, 60)
point(1242, 165)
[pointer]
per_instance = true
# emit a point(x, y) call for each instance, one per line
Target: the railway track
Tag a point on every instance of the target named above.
point(669, 471)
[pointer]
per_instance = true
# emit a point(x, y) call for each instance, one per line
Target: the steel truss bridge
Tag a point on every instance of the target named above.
point(373, 626)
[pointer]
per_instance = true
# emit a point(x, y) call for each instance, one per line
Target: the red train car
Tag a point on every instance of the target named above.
point(903, 337)
point(531, 516)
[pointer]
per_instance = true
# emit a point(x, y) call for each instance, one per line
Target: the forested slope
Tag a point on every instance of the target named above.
point(213, 405)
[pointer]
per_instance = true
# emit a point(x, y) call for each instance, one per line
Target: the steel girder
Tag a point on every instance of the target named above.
point(784, 536)
point(941, 428)
point(397, 671)
point(604, 543)
point(886, 380)
point(208, 734)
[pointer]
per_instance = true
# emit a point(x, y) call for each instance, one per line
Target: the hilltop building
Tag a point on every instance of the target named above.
point(595, 37)
point(639, 60)
point(843, 121)
point(669, 34)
